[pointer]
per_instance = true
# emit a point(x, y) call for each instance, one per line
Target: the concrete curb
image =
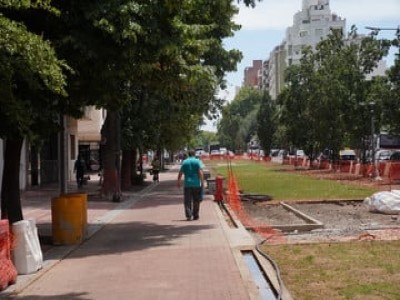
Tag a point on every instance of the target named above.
point(240, 240)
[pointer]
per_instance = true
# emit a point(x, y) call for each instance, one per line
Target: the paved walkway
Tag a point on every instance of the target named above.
point(141, 248)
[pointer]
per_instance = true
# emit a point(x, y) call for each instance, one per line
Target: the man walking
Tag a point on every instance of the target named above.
point(80, 168)
point(193, 183)
point(156, 165)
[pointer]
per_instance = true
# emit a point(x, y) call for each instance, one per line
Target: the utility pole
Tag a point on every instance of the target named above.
point(63, 156)
point(375, 172)
point(375, 31)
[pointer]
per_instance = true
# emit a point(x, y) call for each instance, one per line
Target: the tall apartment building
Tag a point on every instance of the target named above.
point(276, 70)
point(252, 74)
point(310, 26)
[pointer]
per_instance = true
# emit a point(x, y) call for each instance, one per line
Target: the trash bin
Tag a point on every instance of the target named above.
point(211, 186)
point(69, 218)
point(207, 174)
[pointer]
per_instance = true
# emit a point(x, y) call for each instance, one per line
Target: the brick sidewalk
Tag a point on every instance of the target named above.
point(141, 248)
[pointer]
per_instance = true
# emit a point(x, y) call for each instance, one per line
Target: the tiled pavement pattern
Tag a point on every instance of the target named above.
point(141, 248)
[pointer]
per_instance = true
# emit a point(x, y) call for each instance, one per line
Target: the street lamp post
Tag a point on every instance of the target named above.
point(375, 173)
point(375, 30)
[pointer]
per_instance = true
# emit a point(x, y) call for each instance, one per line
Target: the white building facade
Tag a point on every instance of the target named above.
point(310, 25)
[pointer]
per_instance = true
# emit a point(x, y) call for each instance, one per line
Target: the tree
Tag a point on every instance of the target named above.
point(191, 63)
point(300, 104)
point(322, 105)
point(32, 90)
point(238, 123)
point(391, 94)
point(204, 139)
point(266, 123)
point(346, 68)
point(113, 48)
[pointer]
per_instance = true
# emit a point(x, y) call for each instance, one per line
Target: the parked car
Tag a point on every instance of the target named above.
point(347, 154)
point(381, 155)
point(200, 153)
point(326, 154)
point(274, 152)
point(283, 153)
point(215, 153)
point(395, 156)
point(300, 153)
point(297, 153)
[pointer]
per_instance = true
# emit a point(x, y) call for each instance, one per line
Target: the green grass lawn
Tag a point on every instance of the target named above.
point(357, 270)
point(281, 184)
point(350, 270)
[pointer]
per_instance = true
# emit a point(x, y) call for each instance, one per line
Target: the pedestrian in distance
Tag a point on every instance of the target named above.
point(192, 187)
point(79, 169)
point(156, 166)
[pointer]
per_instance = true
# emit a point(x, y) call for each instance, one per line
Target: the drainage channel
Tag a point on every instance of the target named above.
point(260, 278)
point(227, 215)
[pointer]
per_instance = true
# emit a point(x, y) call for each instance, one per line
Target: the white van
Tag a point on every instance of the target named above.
point(300, 153)
point(347, 154)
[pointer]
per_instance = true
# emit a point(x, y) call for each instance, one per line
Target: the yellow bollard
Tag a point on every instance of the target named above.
point(69, 218)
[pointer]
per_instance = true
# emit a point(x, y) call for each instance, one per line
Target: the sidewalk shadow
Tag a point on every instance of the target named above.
point(134, 236)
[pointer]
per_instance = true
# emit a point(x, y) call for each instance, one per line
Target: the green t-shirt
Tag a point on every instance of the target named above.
point(190, 168)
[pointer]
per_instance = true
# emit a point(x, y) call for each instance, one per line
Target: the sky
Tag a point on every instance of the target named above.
point(264, 26)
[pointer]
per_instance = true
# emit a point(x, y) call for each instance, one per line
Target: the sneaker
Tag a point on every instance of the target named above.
point(196, 218)
point(189, 218)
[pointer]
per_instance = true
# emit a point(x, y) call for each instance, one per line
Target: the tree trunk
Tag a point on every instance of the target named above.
point(136, 166)
point(126, 169)
point(10, 193)
point(34, 154)
point(111, 156)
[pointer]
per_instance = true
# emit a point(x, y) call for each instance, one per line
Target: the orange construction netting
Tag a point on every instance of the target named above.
point(233, 199)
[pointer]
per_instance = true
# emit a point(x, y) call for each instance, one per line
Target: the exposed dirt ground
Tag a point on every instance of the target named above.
point(343, 220)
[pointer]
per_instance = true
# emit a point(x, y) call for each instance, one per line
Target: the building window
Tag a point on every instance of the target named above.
point(290, 50)
point(303, 33)
point(318, 32)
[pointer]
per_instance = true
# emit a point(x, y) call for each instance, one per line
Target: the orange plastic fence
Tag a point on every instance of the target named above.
point(386, 170)
point(264, 230)
point(394, 171)
point(8, 273)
